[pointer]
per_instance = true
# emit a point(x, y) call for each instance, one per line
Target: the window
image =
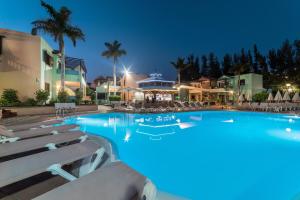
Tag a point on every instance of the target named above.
point(1, 44)
point(242, 82)
point(101, 96)
point(47, 87)
point(47, 58)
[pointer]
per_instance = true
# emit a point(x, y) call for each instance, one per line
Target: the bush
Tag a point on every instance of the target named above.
point(62, 96)
point(90, 92)
point(114, 98)
point(52, 102)
point(30, 102)
point(78, 96)
point(9, 97)
point(260, 97)
point(3, 102)
point(41, 96)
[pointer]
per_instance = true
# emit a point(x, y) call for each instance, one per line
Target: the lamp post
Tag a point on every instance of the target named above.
point(126, 73)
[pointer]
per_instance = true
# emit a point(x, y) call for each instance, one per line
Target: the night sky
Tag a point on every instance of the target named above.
point(156, 32)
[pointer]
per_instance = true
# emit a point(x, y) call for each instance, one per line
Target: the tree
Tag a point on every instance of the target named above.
point(62, 96)
point(214, 66)
point(192, 72)
point(41, 96)
point(9, 97)
point(180, 65)
point(227, 64)
point(59, 26)
point(257, 55)
point(244, 61)
point(252, 68)
point(113, 51)
point(204, 66)
point(78, 96)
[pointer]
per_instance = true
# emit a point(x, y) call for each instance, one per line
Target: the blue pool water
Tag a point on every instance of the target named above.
point(209, 154)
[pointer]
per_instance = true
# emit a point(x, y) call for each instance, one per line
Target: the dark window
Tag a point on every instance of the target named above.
point(47, 87)
point(101, 96)
point(1, 44)
point(242, 82)
point(47, 58)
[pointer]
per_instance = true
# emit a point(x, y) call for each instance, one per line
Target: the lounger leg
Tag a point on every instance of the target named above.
point(83, 138)
point(51, 146)
point(87, 166)
point(149, 191)
point(99, 154)
point(56, 169)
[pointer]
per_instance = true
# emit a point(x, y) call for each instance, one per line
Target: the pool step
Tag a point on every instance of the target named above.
point(166, 196)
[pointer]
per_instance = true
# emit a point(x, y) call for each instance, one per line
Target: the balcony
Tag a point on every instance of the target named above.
point(71, 75)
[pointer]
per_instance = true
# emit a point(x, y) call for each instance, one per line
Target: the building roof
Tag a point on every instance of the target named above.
point(155, 77)
point(75, 62)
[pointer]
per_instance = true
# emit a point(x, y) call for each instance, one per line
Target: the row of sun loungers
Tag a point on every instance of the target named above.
point(160, 107)
point(271, 107)
point(35, 149)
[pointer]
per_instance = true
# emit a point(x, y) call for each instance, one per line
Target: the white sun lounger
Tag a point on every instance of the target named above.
point(21, 168)
point(9, 136)
point(49, 141)
point(42, 124)
point(116, 181)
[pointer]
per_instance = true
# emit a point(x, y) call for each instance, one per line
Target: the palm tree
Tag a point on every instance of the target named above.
point(180, 65)
point(59, 26)
point(113, 51)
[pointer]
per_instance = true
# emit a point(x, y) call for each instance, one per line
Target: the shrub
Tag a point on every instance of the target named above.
point(41, 96)
point(114, 98)
point(52, 102)
point(62, 96)
point(90, 92)
point(78, 96)
point(3, 102)
point(260, 97)
point(30, 102)
point(9, 97)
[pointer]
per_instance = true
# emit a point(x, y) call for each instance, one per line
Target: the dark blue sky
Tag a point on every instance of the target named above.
point(158, 31)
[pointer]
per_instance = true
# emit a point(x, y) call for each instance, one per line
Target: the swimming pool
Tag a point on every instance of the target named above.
point(208, 154)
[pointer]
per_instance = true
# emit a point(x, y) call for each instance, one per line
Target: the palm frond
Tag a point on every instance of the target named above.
point(45, 26)
point(50, 9)
point(113, 50)
point(74, 33)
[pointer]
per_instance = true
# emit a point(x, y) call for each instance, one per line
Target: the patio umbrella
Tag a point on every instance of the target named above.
point(278, 96)
point(270, 97)
point(296, 97)
point(286, 97)
point(241, 98)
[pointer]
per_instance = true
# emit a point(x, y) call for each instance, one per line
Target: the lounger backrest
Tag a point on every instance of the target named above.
point(43, 131)
point(28, 166)
point(7, 149)
point(112, 182)
point(5, 132)
point(22, 127)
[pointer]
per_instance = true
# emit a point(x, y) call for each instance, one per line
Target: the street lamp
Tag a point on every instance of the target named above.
point(126, 73)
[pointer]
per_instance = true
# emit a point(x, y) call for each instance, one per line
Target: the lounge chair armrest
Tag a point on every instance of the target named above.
point(56, 169)
point(8, 139)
